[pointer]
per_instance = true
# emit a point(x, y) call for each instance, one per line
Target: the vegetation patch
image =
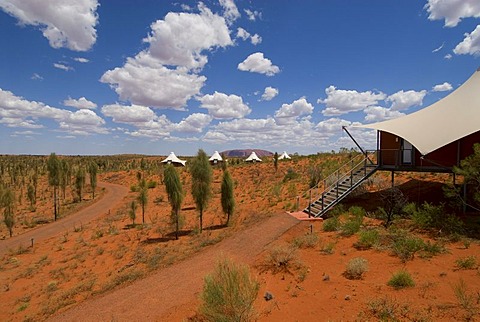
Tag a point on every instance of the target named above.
point(401, 279)
point(356, 267)
point(469, 262)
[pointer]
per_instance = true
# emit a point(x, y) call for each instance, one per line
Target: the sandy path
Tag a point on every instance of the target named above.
point(114, 194)
point(160, 294)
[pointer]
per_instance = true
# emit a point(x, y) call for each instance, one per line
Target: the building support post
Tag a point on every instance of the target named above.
point(393, 179)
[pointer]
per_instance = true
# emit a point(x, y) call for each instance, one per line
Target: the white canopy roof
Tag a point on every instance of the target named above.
point(172, 158)
point(253, 157)
point(284, 156)
point(216, 157)
point(441, 123)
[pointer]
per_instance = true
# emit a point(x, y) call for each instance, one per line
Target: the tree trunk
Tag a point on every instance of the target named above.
point(55, 202)
point(177, 225)
point(201, 220)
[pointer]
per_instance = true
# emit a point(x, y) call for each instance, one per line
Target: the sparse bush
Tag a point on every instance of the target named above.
point(282, 259)
point(306, 241)
point(352, 225)
point(431, 249)
point(429, 216)
point(151, 184)
point(328, 249)
point(406, 246)
point(401, 279)
point(466, 300)
point(134, 188)
point(469, 262)
point(367, 239)
point(290, 175)
point(356, 267)
point(229, 293)
point(332, 224)
point(385, 309)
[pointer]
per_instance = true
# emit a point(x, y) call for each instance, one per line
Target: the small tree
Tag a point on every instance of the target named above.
point(202, 174)
point(8, 202)
point(393, 203)
point(132, 212)
point(92, 171)
point(80, 182)
point(143, 197)
point(173, 185)
point(227, 197)
point(31, 195)
point(275, 161)
point(66, 172)
point(54, 175)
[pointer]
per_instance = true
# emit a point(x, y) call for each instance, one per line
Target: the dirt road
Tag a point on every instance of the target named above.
point(157, 297)
point(114, 194)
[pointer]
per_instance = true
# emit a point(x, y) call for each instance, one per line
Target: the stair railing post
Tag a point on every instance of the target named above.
point(323, 206)
point(310, 204)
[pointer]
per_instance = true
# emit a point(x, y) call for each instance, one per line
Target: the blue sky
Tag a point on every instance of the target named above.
point(150, 77)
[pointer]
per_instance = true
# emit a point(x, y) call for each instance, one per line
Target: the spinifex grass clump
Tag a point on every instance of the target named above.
point(229, 293)
point(401, 279)
point(356, 267)
point(367, 239)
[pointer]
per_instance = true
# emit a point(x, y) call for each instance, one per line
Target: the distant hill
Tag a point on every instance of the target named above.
point(245, 153)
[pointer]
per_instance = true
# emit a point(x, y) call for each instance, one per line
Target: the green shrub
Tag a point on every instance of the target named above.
point(306, 241)
point(357, 211)
point(282, 259)
point(356, 267)
point(332, 224)
point(151, 184)
point(134, 188)
point(367, 239)
point(429, 216)
point(431, 249)
point(229, 293)
point(290, 175)
point(469, 262)
point(352, 225)
point(406, 246)
point(401, 279)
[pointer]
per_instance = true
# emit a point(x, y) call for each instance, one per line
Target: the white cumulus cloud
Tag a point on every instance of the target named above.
point(453, 11)
point(378, 113)
point(62, 67)
point(81, 103)
point(269, 93)
point(290, 112)
point(81, 60)
point(341, 101)
point(470, 44)
point(194, 123)
point(257, 63)
point(223, 106)
point(244, 35)
point(442, 87)
point(66, 24)
point(129, 114)
point(402, 100)
point(231, 12)
point(253, 14)
point(180, 38)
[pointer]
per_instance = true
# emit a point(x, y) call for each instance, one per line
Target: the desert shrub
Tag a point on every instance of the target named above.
point(429, 216)
point(328, 249)
point(229, 293)
point(393, 203)
point(151, 184)
point(134, 188)
point(309, 240)
point(367, 239)
point(290, 175)
point(401, 279)
point(406, 246)
point(384, 309)
point(431, 249)
point(356, 267)
point(282, 259)
point(467, 301)
point(469, 262)
point(357, 211)
point(337, 210)
point(352, 225)
point(332, 224)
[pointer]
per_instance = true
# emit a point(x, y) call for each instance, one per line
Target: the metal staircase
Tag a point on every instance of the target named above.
point(339, 184)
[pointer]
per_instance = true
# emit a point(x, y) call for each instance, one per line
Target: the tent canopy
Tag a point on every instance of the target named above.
point(450, 119)
point(215, 157)
point(284, 156)
point(172, 158)
point(253, 157)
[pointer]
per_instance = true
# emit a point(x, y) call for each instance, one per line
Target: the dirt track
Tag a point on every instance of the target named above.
point(157, 297)
point(114, 194)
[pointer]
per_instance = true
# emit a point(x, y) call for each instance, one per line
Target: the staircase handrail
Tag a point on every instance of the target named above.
point(339, 177)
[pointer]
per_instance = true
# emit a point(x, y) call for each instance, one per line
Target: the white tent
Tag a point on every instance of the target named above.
point(216, 157)
point(284, 156)
point(172, 158)
point(253, 157)
point(441, 123)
